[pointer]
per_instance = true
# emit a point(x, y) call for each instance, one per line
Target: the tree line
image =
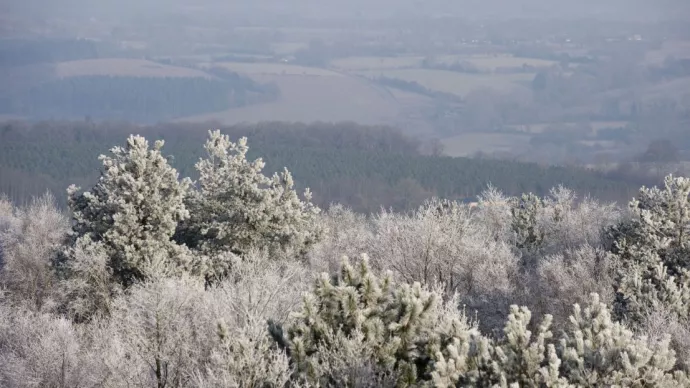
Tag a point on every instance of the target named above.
point(363, 167)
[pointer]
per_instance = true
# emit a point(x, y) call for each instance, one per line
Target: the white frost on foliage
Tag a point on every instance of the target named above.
point(237, 208)
point(133, 211)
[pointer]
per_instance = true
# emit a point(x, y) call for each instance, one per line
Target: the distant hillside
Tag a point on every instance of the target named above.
point(124, 89)
point(363, 167)
point(21, 52)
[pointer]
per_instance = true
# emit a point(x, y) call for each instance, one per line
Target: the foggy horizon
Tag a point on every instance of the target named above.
point(611, 10)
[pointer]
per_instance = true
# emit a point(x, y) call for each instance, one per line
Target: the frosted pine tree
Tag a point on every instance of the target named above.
point(594, 351)
point(133, 211)
point(653, 250)
point(598, 351)
point(518, 359)
point(529, 236)
point(237, 208)
point(358, 325)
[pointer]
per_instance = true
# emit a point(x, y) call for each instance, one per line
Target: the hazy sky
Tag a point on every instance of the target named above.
point(606, 9)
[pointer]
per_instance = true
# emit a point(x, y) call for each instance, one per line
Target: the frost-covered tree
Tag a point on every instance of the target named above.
point(557, 223)
point(360, 330)
point(424, 245)
point(653, 252)
point(163, 326)
point(43, 350)
point(30, 238)
point(179, 333)
point(568, 278)
point(472, 360)
point(593, 351)
point(237, 208)
point(243, 353)
point(7, 220)
point(89, 290)
point(663, 322)
point(344, 233)
point(357, 324)
point(165, 332)
point(570, 223)
point(442, 243)
point(596, 350)
point(133, 211)
point(493, 211)
point(525, 223)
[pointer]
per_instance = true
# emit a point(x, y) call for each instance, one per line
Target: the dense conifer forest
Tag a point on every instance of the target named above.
point(236, 279)
point(362, 167)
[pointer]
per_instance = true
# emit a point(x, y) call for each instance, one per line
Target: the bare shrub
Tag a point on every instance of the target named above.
point(556, 223)
point(89, 289)
point(7, 222)
point(259, 289)
point(345, 233)
point(163, 326)
point(178, 334)
point(441, 243)
point(662, 322)
point(569, 278)
point(31, 238)
point(40, 350)
point(493, 213)
point(6, 213)
point(569, 224)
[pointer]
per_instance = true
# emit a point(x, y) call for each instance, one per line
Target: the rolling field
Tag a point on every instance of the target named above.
point(678, 49)
point(284, 48)
point(375, 63)
point(261, 69)
point(606, 144)
point(452, 82)
point(307, 94)
point(541, 127)
point(467, 144)
point(487, 63)
point(491, 63)
point(326, 98)
point(123, 67)
point(677, 89)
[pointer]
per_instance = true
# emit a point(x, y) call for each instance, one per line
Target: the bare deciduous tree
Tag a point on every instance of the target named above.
point(31, 237)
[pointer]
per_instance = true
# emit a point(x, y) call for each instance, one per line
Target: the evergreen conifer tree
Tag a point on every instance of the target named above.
point(237, 208)
point(133, 211)
point(653, 252)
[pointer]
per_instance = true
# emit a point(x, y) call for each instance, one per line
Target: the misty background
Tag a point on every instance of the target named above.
point(600, 88)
